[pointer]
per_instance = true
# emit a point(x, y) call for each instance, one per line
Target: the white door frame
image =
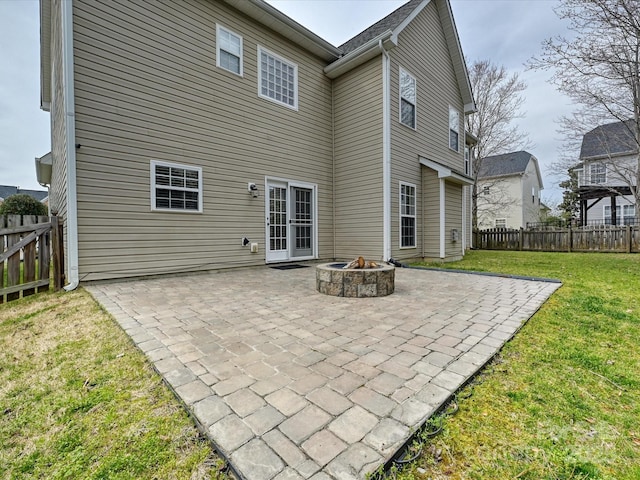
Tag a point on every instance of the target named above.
point(286, 255)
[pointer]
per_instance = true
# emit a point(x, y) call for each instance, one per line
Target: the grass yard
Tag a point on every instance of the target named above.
point(562, 401)
point(79, 401)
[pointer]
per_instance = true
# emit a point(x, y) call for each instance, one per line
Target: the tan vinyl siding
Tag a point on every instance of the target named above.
point(147, 88)
point(358, 162)
point(422, 51)
point(453, 215)
point(431, 213)
point(58, 190)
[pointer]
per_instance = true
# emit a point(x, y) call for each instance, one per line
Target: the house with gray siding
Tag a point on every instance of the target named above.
point(207, 134)
point(607, 175)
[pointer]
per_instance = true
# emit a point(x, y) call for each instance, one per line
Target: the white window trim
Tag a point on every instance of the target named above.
point(400, 98)
point(401, 215)
point(153, 186)
point(501, 220)
point(218, 28)
point(604, 167)
point(295, 78)
point(449, 129)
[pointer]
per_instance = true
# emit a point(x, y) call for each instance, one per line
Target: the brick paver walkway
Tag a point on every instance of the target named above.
point(291, 384)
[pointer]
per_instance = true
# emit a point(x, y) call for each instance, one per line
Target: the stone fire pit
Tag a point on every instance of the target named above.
point(334, 279)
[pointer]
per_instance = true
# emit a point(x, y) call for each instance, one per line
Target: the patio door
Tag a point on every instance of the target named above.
point(290, 221)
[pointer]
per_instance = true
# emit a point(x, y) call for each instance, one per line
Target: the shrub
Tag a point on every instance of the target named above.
point(22, 204)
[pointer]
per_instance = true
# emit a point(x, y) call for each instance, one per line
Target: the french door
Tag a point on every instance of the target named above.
point(290, 221)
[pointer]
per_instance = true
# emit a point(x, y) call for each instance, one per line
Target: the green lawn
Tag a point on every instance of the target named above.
point(562, 400)
point(78, 400)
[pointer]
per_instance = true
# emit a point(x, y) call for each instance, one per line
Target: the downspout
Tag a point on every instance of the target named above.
point(442, 219)
point(70, 120)
point(333, 165)
point(386, 154)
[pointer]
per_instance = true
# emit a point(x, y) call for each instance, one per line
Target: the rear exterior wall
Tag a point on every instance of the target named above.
point(147, 88)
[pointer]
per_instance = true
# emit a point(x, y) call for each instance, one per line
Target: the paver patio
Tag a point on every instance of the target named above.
point(289, 383)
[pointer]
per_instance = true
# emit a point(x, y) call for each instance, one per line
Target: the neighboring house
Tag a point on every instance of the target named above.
point(509, 188)
point(7, 190)
point(607, 171)
point(181, 128)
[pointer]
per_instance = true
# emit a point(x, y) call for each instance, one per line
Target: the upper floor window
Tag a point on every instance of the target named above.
point(228, 50)
point(467, 160)
point(176, 187)
point(278, 79)
point(407, 99)
point(598, 173)
point(501, 223)
point(407, 215)
point(454, 129)
point(533, 194)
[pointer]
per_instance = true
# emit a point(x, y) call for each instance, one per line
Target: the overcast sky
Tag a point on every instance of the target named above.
point(507, 32)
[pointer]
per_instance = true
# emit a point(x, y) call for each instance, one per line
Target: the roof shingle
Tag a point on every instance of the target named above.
point(514, 163)
point(610, 139)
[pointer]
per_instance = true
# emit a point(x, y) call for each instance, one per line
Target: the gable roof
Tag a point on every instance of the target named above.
point(8, 190)
point(390, 22)
point(508, 164)
point(607, 140)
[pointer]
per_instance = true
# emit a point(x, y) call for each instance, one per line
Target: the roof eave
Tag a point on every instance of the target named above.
point(274, 19)
point(455, 50)
point(45, 55)
point(360, 55)
point(446, 172)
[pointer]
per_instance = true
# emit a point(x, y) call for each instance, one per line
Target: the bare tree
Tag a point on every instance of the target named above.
point(499, 99)
point(598, 67)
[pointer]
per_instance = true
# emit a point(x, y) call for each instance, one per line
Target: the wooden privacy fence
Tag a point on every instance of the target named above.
point(604, 238)
point(29, 245)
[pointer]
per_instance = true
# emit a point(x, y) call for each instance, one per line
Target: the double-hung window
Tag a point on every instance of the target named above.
point(407, 99)
point(228, 50)
point(629, 214)
point(501, 223)
point(407, 215)
point(598, 173)
point(454, 129)
point(176, 187)
point(278, 79)
point(467, 160)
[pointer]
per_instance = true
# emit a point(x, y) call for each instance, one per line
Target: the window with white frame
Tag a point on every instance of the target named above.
point(176, 187)
point(407, 215)
point(625, 215)
point(629, 214)
point(454, 129)
point(278, 78)
point(228, 50)
point(533, 194)
point(407, 99)
point(467, 160)
point(501, 223)
point(598, 173)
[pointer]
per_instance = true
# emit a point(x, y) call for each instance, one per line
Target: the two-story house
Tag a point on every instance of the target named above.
point(509, 187)
point(607, 175)
point(207, 134)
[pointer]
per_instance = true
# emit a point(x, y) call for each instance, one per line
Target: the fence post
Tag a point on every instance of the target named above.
point(570, 239)
point(57, 253)
point(13, 262)
point(628, 233)
point(521, 239)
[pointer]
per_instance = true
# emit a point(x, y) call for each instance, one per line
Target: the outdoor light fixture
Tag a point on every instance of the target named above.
point(253, 189)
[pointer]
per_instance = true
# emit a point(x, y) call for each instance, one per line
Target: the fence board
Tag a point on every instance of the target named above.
point(13, 262)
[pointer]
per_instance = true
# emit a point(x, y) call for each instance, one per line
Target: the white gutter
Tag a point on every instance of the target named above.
point(442, 218)
point(386, 153)
point(70, 147)
point(360, 55)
